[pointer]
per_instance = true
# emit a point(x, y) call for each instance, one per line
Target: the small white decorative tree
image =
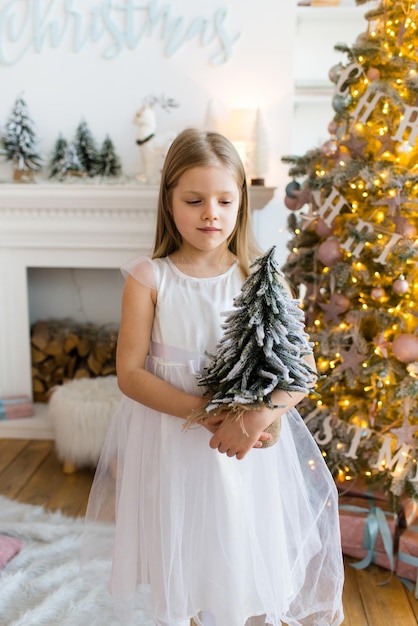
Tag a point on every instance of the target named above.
point(65, 161)
point(87, 151)
point(109, 161)
point(21, 143)
point(258, 153)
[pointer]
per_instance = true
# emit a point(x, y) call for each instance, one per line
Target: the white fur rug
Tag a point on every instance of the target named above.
point(42, 586)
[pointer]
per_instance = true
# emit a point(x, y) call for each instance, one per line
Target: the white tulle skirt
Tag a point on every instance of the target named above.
point(188, 529)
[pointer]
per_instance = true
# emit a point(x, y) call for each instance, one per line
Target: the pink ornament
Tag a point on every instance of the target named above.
point(334, 72)
point(329, 252)
point(363, 37)
point(332, 127)
point(373, 74)
point(344, 157)
point(408, 230)
point(405, 348)
point(377, 293)
point(322, 228)
point(342, 302)
point(329, 148)
point(291, 203)
point(400, 286)
point(350, 318)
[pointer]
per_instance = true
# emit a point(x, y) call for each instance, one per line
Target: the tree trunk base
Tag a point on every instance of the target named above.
point(22, 176)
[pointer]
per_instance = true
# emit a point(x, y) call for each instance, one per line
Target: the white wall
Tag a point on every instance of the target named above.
point(259, 69)
point(62, 86)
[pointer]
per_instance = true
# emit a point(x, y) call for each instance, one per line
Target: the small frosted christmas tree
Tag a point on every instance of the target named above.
point(21, 143)
point(262, 348)
point(57, 156)
point(109, 161)
point(65, 161)
point(87, 151)
point(2, 148)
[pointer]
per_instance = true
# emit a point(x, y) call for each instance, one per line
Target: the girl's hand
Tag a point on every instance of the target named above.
point(229, 437)
point(214, 422)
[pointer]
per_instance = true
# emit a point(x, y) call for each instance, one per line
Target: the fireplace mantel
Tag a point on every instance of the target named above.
point(82, 225)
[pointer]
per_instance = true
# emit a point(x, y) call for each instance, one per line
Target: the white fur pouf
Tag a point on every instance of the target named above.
point(80, 411)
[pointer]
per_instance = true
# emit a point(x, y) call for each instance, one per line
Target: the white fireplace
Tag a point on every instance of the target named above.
point(63, 226)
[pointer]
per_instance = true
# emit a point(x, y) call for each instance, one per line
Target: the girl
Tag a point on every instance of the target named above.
point(207, 526)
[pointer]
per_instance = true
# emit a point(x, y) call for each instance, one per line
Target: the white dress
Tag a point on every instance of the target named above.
point(197, 530)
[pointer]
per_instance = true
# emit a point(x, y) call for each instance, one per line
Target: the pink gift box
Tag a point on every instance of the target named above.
point(407, 565)
point(409, 511)
point(368, 532)
point(358, 487)
point(15, 407)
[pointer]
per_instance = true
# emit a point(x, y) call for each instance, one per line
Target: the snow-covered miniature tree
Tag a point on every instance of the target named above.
point(65, 161)
point(21, 143)
point(58, 156)
point(258, 153)
point(262, 348)
point(109, 161)
point(87, 151)
point(2, 148)
point(71, 163)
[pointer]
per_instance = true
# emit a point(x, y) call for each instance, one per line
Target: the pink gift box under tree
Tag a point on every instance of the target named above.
point(368, 531)
point(360, 488)
point(407, 564)
point(15, 407)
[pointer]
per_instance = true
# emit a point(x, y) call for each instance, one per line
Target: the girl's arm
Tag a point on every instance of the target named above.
point(138, 307)
point(230, 438)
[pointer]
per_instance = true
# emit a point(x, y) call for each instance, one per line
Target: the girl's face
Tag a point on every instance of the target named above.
point(205, 206)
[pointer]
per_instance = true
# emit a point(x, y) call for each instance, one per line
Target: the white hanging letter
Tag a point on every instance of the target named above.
point(366, 105)
point(362, 226)
point(332, 206)
point(327, 434)
point(359, 433)
point(387, 461)
point(392, 242)
point(408, 121)
point(352, 71)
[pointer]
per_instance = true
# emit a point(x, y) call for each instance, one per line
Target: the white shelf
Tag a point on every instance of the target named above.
point(37, 427)
point(338, 12)
point(58, 198)
point(312, 98)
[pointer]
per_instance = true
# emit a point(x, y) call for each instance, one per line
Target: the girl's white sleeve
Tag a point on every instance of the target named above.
point(143, 270)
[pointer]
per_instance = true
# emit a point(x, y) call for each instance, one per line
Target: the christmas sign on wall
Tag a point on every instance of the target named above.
point(112, 26)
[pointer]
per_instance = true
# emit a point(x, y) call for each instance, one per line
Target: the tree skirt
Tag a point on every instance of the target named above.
point(42, 586)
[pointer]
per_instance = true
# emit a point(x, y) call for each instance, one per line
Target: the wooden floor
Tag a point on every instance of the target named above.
point(30, 472)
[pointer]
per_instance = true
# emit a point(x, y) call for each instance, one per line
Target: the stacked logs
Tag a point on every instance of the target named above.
point(64, 349)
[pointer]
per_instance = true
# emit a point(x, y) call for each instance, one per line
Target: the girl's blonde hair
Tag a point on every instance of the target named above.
point(195, 148)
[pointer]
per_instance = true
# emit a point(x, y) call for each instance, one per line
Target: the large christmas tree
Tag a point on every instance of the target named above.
point(354, 256)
